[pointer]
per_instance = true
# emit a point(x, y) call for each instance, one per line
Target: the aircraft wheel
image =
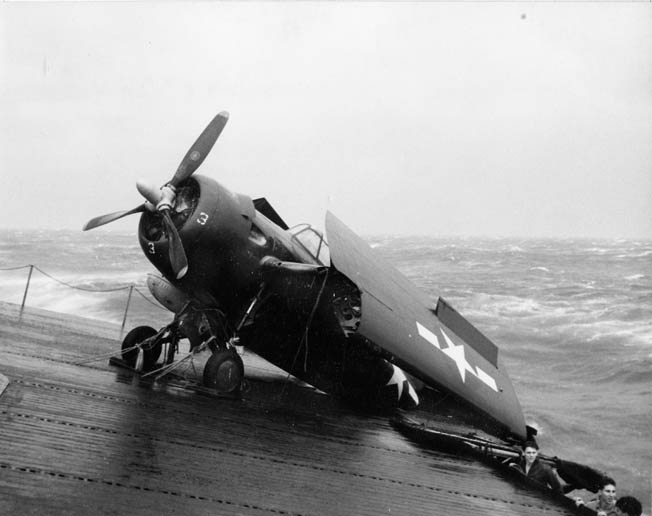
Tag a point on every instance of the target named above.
point(151, 353)
point(224, 371)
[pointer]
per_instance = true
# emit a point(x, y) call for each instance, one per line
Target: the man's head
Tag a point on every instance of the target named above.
point(628, 506)
point(607, 492)
point(530, 451)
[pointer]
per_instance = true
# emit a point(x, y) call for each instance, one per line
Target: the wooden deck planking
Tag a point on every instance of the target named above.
point(93, 439)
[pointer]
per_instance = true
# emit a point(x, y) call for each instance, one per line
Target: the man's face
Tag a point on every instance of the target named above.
point(530, 454)
point(608, 494)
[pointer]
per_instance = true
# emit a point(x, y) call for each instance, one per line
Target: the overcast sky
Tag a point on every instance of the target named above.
point(479, 119)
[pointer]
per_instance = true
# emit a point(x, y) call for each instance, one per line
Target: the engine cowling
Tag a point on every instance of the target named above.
point(214, 225)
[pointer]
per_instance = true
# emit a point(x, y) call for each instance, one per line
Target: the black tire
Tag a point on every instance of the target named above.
point(151, 352)
point(224, 371)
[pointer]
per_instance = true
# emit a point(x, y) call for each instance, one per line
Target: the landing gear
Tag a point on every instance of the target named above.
point(139, 340)
point(224, 371)
point(204, 329)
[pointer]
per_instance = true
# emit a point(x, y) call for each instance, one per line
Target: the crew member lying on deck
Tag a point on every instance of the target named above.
point(534, 469)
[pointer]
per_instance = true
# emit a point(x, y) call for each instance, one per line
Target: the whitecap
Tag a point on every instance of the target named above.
point(542, 269)
point(503, 306)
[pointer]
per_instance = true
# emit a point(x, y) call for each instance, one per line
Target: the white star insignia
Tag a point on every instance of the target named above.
point(457, 354)
point(397, 378)
point(413, 394)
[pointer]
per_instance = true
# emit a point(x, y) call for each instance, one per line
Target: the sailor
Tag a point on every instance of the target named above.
point(628, 506)
point(534, 469)
point(605, 503)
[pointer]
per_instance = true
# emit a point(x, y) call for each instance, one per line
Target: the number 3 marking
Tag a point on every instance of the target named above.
point(203, 217)
point(152, 249)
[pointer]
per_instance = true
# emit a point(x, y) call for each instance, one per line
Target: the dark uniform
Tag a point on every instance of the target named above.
point(541, 473)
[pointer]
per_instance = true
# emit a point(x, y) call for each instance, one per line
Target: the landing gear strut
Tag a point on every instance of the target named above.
point(224, 370)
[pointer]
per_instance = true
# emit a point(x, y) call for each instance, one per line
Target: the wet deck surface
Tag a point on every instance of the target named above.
point(95, 439)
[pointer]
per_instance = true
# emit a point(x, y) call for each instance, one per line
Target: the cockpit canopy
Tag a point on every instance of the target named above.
point(312, 241)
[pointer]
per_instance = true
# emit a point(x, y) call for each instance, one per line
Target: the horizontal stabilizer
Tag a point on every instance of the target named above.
point(466, 331)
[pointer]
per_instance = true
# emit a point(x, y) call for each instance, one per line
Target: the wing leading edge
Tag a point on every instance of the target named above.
point(446, 352)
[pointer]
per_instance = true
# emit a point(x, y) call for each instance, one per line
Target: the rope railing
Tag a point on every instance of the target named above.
point(131, 287)
point(116, 289)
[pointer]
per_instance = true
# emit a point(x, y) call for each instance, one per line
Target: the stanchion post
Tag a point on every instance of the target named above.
point(124, 319)
point(29, 278)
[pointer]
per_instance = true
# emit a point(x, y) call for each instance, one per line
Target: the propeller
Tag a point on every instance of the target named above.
point(163, 199)
point(110, 217)
point(200, 149)
point(178, 258)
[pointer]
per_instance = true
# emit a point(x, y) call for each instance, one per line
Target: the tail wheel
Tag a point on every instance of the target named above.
point(151, 352)
point(224, 371)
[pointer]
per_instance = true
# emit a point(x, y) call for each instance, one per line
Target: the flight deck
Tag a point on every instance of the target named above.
point(80, 436)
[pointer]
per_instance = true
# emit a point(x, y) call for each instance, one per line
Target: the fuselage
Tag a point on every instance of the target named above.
point(225, 239)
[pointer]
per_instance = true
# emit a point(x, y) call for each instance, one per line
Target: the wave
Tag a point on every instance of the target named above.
point(643, 254)
point(503, 306)
point(634, 277)
point(542, 269)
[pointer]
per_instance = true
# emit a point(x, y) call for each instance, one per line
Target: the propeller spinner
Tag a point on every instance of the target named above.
point(163, 199)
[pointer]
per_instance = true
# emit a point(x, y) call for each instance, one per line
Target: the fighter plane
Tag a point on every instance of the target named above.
point(328, 311)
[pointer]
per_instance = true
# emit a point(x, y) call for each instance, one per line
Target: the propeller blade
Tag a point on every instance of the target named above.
point(110, 217)
point(178, 258)
point(200, 149)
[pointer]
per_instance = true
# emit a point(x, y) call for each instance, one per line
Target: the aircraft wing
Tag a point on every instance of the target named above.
point(437, 345)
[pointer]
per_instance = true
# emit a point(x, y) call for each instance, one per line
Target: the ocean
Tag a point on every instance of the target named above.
point(571, 317)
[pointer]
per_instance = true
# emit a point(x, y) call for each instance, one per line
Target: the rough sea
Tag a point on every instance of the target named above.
point(572, 320)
